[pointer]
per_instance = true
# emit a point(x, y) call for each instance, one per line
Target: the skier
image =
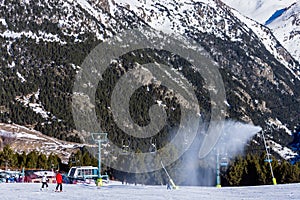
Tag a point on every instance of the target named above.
point(44, 181)
point(7, 178)
point(58, 181)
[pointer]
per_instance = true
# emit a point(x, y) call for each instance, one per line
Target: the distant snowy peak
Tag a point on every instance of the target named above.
point(277, 14)
point(259, 10)
point(280, 16)
point(286, 28)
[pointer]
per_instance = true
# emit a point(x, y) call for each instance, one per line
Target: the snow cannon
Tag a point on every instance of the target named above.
point(274, 181)
point(170, 179)
point(175, 187)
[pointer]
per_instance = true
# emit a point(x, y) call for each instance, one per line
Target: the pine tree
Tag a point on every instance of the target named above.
point(31, 161)
point(236, 171)
point(287, 173)
point(42, 161)
point(86, 158)
point(53, 161)
point(8, 157)
point(22, 160)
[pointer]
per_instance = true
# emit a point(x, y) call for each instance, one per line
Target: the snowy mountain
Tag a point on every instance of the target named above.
point(286, 28)
point(43, 44)
point(259, 10)
point(282, 17)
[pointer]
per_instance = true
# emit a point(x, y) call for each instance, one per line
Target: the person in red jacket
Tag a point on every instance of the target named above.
point(58, 181)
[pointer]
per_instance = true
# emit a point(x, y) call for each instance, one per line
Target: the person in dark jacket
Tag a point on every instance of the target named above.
point(58, 181)
point(168, 186)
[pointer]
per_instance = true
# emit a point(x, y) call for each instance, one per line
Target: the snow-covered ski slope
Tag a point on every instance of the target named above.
point(30, 191)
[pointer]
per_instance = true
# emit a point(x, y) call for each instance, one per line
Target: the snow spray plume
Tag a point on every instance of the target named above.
point(202, 171)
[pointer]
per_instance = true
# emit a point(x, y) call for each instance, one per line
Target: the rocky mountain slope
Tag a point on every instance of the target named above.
point(43, 44)
point(23, 139)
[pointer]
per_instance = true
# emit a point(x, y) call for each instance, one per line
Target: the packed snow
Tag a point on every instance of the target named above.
point(4, 133)
point(284, 152)
point(21, 77)
point(41, 36)
point(31, 191)
point(277, 123)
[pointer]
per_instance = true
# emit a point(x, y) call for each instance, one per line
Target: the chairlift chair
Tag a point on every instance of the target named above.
point(268, 160)
point(224, 162)
point(152, 148)
point(185, 138)
point(125, 147)
point(73, 159)
point(105, 149)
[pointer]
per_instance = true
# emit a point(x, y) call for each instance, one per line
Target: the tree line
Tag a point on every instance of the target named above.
point(253, 169)
point(249, 170)
point(32, 160)
point(37, 160)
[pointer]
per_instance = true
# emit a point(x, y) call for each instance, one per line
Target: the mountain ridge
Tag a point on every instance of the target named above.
point(280, 16)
